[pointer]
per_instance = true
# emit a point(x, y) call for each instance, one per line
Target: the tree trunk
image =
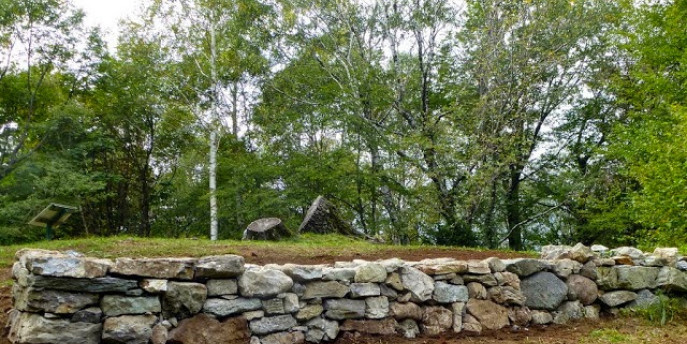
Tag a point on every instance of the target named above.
point(213, 184)
point(513, 210)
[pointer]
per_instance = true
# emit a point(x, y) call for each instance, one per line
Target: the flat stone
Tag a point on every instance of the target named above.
point(204, 329)
point(524, 267)
point(91, 315)
point(55, 264)
point(264, 283)
point(449, 293)
point(340, 309)
point(330, 289)
point(33, 328)
point(600, 249)
point(338, 274)
point(384, 327)
point(406, 310)
point(376, 307)
point(303, 273)
point(219, 287)
point(506, 295)
point(184, 299)
point(224, 266)
point(617, 298)
point(296, 337)
point(631, 252)
point(370, 273)
point(583, 289)
point(224, 308)
point(309, 311)
point(419, 284)
point(160, 268)
point(153, 286)
point(543, 290)
point(114, 305)
point(268, 325)
point(490, 315)
point(252, 315)
point(488, 279)
point(506, 278)
point(128, 329)
point(478, 268)
point(95, 285)
point(541, 318)
point(495, 264)
point(442, 268)
point(51, 301)
point(365, 289)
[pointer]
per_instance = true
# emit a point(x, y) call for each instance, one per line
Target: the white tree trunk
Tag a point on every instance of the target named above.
point(213, 184)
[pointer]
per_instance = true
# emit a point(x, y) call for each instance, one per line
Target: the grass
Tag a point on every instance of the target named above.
point(609, 335)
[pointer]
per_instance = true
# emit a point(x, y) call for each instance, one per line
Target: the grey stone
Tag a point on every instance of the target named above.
point(113, 305)
point(340, 309)
point(159, 335)
point(408, 329)
point(204, 329)
point(338, 274)
point(445, 277)
point(419, 284)
point(314, 335)
point(303, 273)
point(600, 249)
point(273, 306)
point(471, 326)
point(672, 279)
point(33, 328)
point(376, 307)
point(331, 289)
point(183, 299)
point(291, 303)
point(160, 268)
point(388, 292)
point(566, 267)
point(129, 329)
point(272, 324)
point(573, 310)
point(490, 315)
point(495, 264)
point(91, 315)
point(365, 289)
point(264, 283)
point(449, 293)
point(487, 279)
point(682, 265)
point(627, 277)
point(617, 298)
point(524, 267)
point(583, 289)
point(370, 273)
point(216, 267)
point(592, 312)
point(394, 281)
point(458, 309)
point(224, 308)
point(219, 287)
point(508, 279)
point(252, 315)
point(543, 290)
point(52, 301)
point(520, 316)
point(384, 327)
point(329, 327)
point(645, 299)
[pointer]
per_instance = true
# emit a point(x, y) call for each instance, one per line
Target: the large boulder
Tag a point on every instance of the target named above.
point(266, 229)
point(33, 328)
point(323, 218)
point(264, 283)
point(203, 329)
point(543, 290)
point(490, 315)
point(56, 264)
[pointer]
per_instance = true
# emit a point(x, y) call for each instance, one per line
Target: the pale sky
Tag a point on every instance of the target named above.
point(107, 13)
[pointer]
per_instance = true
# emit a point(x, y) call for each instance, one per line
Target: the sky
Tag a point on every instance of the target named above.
point(107, 13)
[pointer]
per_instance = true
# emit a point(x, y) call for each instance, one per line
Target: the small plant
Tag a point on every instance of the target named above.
point(663, 311)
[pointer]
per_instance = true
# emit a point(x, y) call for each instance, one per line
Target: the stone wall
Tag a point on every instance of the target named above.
point(68, 298)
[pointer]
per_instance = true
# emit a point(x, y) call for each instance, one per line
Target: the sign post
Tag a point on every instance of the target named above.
point(52, 217)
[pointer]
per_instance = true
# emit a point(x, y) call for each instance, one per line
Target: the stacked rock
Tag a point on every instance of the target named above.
point(68, 298)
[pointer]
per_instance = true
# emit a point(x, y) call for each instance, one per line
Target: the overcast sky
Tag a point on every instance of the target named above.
point(107, 13)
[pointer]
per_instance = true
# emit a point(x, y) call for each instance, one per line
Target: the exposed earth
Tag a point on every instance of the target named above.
point(609, 330)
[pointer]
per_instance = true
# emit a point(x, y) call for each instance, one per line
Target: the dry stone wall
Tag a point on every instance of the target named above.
point(68, 298)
